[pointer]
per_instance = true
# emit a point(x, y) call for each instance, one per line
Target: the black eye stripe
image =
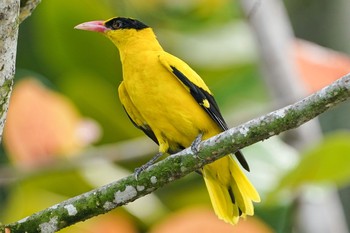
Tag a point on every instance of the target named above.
point(124, 23)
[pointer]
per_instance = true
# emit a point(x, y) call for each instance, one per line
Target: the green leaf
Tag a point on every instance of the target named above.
point(328, 162)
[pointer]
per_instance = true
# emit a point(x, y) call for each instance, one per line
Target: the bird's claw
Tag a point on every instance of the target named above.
point(139, 170)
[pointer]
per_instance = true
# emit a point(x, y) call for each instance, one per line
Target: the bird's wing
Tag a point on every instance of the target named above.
point(133, 114)
point(200, 92)
point(195, 86)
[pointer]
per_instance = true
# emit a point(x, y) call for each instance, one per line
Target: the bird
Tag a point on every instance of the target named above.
point(166, 99)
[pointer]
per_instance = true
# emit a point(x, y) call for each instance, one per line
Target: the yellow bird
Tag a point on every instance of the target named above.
point(172, 105)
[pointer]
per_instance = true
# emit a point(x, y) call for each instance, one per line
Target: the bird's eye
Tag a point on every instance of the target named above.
point(117, 24)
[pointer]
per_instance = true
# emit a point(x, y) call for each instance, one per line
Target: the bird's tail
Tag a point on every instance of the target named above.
point(231, 193)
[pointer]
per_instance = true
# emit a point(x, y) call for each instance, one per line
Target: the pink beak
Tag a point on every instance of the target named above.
point(95, 26)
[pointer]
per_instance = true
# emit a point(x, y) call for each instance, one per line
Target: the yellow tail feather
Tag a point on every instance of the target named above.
point(230, 191)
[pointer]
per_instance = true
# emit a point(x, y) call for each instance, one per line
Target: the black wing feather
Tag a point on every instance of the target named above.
point(145, 128)
point(200, 96)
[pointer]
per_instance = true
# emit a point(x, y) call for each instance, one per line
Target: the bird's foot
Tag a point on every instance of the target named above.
point(138, 170)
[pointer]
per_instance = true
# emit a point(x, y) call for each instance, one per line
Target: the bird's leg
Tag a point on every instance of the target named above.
point(147, 165)
point(195, 146)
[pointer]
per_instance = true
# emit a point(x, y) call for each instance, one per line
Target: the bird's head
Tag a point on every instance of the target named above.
point(120, 30)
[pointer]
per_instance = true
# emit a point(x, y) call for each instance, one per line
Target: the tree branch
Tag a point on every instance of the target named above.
point(10, 17)
point(128, 189)
point(9, 11)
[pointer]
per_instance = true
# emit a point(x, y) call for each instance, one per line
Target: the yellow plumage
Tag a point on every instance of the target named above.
point(169, 101)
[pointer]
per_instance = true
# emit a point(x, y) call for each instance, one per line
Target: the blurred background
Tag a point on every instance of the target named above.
point(66, 132)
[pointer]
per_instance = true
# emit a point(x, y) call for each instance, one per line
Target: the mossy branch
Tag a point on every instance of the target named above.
point(128, 189)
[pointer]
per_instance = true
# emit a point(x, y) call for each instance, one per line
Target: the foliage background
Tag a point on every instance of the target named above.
point(213, 37)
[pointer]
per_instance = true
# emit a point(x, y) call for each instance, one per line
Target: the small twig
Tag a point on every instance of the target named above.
point(27, 7)
point(128, 189)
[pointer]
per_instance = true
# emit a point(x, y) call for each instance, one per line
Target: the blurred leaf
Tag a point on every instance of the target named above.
point(327, 162)
point(98, 99)
point(41, 123)
point(319, 66)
